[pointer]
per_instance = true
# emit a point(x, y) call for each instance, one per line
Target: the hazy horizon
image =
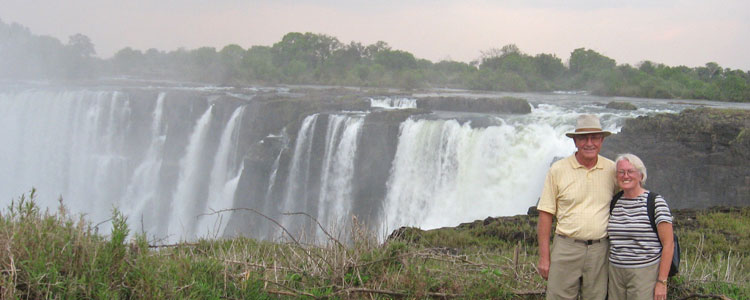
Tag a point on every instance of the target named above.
point(674, 33)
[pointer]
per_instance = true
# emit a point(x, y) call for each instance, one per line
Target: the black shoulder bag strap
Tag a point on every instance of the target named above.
point(651, 208)
point(614, 200)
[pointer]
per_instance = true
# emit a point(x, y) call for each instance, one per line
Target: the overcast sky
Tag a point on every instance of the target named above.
point(689, 33)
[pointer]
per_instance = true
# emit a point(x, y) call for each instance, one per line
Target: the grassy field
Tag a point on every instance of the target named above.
point(56, 255)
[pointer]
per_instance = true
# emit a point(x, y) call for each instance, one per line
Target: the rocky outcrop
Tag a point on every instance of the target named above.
point(696, 159)
point(482, 105)
point(621, 105)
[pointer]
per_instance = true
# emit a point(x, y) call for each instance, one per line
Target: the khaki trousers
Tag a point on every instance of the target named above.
point(573, 263)
point(632, 283)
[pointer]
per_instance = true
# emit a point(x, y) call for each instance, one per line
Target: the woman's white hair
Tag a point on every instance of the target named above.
point(636, 162)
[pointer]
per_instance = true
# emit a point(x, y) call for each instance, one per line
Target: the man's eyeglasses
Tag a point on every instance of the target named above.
point(584, 137)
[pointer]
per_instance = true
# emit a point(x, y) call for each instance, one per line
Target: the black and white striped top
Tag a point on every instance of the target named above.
point(633, 243)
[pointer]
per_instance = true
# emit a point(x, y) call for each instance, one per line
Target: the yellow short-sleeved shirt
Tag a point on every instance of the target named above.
point(579, 197)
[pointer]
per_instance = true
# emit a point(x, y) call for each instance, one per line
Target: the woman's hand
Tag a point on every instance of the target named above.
point(660, 291)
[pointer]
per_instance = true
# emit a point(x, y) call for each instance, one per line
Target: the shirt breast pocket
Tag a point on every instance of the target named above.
point(567, 194)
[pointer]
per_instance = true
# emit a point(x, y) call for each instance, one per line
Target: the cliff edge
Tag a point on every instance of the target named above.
point(696, 159)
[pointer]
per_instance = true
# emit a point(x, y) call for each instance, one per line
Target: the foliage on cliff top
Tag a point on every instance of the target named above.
point(53, 255)
point(308, 58)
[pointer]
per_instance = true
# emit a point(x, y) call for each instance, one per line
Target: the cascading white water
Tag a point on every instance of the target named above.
point(333, 199)
point(143, 187)
point(276, 162)
point(56, 144)
point(393, 103)
point(89, 148)
point(296, 196)
point(296, 193)
point(445, 173)
point(185, 202)
point(338, 169)
point(224, 177)
point(104, 149)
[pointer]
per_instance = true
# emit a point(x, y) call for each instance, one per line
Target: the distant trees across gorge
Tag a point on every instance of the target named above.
point(308, 58)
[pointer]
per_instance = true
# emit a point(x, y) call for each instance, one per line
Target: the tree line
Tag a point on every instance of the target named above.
point(308, 58)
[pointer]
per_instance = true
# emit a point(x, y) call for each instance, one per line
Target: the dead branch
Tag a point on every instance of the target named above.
point(307, 253)
point(394, 293)
point(530, 293)
point(294, 292)
point(174, 245)
point(319, 226)
point(259, 213)
point(704, 296)
point(275, 292)
point(259, 266)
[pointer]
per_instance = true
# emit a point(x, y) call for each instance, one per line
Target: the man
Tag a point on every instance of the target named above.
point(577, 191)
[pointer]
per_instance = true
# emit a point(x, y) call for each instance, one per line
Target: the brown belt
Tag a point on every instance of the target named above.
point(587, 242)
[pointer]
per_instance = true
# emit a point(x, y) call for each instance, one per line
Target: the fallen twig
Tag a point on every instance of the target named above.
point(293, 292)
point(394, 293)
point(704, 296)
point(174, 245)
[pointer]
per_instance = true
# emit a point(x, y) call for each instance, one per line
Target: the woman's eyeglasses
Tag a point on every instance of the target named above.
point(631, 172)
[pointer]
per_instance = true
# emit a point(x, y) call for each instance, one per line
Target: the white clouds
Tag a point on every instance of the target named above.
point(675, 33)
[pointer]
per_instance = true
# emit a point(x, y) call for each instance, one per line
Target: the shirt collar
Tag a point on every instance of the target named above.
point(575, 164)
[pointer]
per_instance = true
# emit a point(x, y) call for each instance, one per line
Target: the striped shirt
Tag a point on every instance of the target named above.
point(633, 242)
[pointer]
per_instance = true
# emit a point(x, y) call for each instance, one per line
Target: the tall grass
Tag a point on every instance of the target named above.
point(55, 255)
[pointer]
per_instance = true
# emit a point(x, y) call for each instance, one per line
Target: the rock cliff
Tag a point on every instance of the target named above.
point(699, 158)
point(482, 105)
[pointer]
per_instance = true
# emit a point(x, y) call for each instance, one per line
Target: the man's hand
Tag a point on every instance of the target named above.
point(543, 267)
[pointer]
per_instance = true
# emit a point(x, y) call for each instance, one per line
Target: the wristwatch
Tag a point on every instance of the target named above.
point(664, 282)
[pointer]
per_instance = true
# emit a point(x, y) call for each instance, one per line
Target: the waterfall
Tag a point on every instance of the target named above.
point(143, 187)
point(296, 197)
point(275, 166)
point(66, 144)
point(296, 191)
point(338, 169)
point(330, 203)
point(223, 180)
point(393, 103)
point(165, 159)
point(186, 200)
point(445, 173)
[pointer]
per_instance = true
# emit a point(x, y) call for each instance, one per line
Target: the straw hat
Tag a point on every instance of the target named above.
point(588, 124)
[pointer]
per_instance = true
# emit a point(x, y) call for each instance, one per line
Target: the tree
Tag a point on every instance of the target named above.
point(549, 66)
point(311, 49)
point(81, 46)
point(79, 60)
point(258, 63)
point(709, 72)
point(231, 64)
point(128, 61)
point(376, 48)
point(647, 67)
point(588, 60)
point(396, 59)
point(204, 64)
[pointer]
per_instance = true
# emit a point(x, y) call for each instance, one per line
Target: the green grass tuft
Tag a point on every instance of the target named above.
point(55, 255)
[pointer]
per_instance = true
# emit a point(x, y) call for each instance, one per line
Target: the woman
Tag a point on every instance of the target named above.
point(639, 258)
